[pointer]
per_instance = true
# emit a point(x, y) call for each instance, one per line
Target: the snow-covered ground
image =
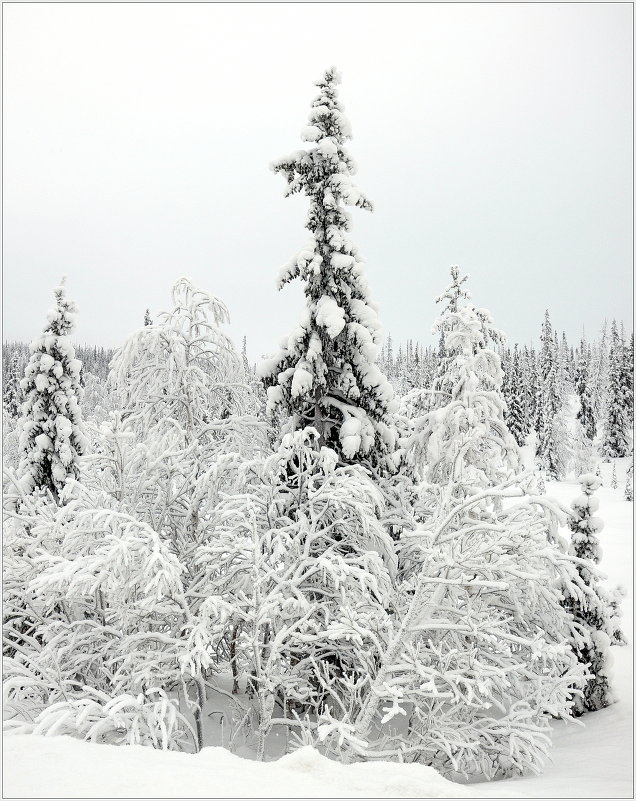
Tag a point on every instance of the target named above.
point(590, 761)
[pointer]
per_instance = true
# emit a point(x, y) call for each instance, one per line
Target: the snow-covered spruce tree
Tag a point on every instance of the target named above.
point(614, 480)
point(586, 413)
point(548, 402)
point(13, 391)
point(592, 610)
point(475, 661)
point(565, 367)
point(147, 317)
point(51, 431)
point(628, 381)
point(529, 383)
point(600, 374)
point(516, 418)
point(615, 432)
point(325, 374)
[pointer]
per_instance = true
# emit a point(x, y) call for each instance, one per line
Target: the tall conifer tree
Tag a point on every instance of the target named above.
point(325, 374)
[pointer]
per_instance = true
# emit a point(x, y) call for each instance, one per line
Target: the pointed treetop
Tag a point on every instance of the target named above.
point(454, 291)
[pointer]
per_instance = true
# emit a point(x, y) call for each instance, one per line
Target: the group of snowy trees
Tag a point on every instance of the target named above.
point(577, 400)
point(375, 574)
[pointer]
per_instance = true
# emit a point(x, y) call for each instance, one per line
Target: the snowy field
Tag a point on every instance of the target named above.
point(590, 761)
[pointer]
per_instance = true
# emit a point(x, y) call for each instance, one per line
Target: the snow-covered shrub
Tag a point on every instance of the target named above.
point(103, 598)
point(298, 583)
point(614, 480)
point(464, 446)
point(629, 482)
point(151, 718)
point(564, 450)
point(476, 662)
point(10, 441)
point(97, 400)
point(110, 580)
point(584, 453)
point(187, 418)
point(183, 367)
point(476, 658)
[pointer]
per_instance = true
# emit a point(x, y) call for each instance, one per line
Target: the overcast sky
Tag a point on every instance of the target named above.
point(137, 139)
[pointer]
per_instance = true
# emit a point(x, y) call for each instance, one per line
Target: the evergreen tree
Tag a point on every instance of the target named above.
point(586, 413)
point(548, 401)
point(325, 374)
point(615, 434)
point(566, 368)
point(147, 318)
point(51, 430)
point(399, 371)
point(592, 609)
point(600, 375)
point(12, 389)
point(389, 367)
point(529, 381)
point(513, 391)
point(628, 383)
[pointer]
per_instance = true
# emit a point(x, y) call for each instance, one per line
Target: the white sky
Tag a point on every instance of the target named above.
point(137, 139)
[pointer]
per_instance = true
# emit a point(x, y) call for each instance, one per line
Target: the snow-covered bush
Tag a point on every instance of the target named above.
point(110, 581)
point(95, 606)
point(629, 482)
point(298, 583)
point(476, 663)
point(183, 367)
point(476, 659)
point(464, 446)
point(10, 441)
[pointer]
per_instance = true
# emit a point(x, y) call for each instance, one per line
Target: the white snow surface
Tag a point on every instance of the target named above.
point(69, 768)
point(593, 760)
